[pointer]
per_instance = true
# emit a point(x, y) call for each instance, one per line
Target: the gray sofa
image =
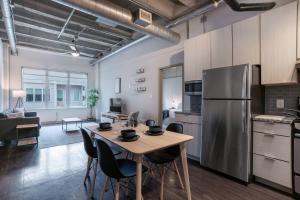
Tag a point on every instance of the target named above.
point(8, 127)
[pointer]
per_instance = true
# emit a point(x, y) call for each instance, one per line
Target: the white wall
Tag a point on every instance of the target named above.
point(153, 54)
point(1, 75)
point(34, 58)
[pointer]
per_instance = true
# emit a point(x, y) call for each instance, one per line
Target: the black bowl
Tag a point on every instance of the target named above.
point(105, 125)
point(155, 129)
point(128, 133)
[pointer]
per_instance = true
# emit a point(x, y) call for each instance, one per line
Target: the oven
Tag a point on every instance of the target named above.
point(193, 87)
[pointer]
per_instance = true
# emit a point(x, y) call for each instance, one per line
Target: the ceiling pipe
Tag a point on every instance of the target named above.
point(9, 25)
point(119, 15)
point(176, 22)
point(240, 7)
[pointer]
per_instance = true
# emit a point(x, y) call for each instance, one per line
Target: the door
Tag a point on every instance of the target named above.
point(278, 45)
point(246, 41)
point(221, 47)
point(225, 83)
point(225, 137)
point(196, 57)
point(193, 147)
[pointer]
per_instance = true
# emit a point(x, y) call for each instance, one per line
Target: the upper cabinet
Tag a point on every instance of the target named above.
point(298, 45)
point(279, 44)
point(196, 57)
point(221, 47)
point(246, 41)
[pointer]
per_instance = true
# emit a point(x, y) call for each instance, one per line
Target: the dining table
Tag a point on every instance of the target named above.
point(144, 145)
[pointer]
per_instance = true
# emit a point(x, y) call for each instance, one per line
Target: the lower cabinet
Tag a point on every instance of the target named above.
point(272, 152)
point(191, 126)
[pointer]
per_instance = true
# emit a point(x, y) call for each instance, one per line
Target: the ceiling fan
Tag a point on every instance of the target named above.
point(75, 52)
point(240, 7)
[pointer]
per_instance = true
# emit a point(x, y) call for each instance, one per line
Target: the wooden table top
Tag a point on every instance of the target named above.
point(73, 119)
point(27, 126)
point(145, 144)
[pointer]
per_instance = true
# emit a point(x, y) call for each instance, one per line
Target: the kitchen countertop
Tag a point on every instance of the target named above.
point(274, 118)
point(188, 113)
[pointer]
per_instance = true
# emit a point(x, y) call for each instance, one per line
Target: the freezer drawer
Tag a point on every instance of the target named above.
point(225, 137)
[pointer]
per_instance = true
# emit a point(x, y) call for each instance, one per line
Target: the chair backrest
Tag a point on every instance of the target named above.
point(150, 122)
point(178, 128)
point(175, 127)
point(133, 116)
point(107, 160)
point(88, 144)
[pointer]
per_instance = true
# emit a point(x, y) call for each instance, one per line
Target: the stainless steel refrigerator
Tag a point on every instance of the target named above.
point(230, 96)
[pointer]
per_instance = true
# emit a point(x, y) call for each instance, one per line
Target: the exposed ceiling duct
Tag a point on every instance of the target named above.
point(120, 15)
point(236, 6)
point(175, 22)
point(9, 25)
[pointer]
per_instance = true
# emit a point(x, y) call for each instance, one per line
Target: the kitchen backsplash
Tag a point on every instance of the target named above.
point(289, 93)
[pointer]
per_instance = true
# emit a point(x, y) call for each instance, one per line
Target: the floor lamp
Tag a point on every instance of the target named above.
point(20, 94)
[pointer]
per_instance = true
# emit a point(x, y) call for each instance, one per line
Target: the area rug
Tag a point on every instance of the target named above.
point(53, 135)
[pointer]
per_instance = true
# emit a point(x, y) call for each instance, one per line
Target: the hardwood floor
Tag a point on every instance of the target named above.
point(30, 173)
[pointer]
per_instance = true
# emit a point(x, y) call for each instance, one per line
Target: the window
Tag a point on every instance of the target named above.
point(29, 94)
point(52, 89)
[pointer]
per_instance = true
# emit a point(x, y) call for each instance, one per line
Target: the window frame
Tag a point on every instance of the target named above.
point(66, 93)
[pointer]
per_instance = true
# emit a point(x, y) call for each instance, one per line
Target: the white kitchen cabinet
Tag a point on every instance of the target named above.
point(298, 38)
point(272, 152)
point(193, 147)
point(246, 41)
point(196, 56)
point(191, 126)
point(221, 47)
point(279, 44)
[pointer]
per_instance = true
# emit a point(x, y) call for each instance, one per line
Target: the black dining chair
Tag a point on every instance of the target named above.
point(91, 151)
point(167, 157)
point(114, 168)
point(150, 122)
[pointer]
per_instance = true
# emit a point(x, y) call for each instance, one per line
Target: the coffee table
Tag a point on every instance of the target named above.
point(67, 121)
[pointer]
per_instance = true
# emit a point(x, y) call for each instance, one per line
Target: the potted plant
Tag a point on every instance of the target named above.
point(93, 97)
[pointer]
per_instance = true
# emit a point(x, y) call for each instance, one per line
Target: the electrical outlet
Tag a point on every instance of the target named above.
point(280, 103)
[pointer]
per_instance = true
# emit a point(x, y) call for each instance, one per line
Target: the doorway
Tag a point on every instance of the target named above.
point(171, 93)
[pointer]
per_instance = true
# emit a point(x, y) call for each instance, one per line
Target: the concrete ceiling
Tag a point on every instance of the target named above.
point(39, 22)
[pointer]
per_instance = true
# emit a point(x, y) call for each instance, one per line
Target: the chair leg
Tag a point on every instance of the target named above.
point(88, 167)
point(106, 184)
point(162, 183)
point(117, 190)
point(94, 178)
point(178, 175)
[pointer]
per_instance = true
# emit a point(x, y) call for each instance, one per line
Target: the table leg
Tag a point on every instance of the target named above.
point(62, 124)
point(139, 177)
point(185, 170)
point(66, 127)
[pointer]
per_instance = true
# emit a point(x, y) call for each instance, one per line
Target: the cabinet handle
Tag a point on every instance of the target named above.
point(269, 157)
point(269, 134)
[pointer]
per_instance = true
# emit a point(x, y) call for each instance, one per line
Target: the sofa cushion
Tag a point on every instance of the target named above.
point(3, 116)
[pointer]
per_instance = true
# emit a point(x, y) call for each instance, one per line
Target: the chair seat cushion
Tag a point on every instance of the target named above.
point(160, 157)
point(128, 167)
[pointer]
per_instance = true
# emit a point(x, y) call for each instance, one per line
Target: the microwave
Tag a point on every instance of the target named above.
point(193, 87)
